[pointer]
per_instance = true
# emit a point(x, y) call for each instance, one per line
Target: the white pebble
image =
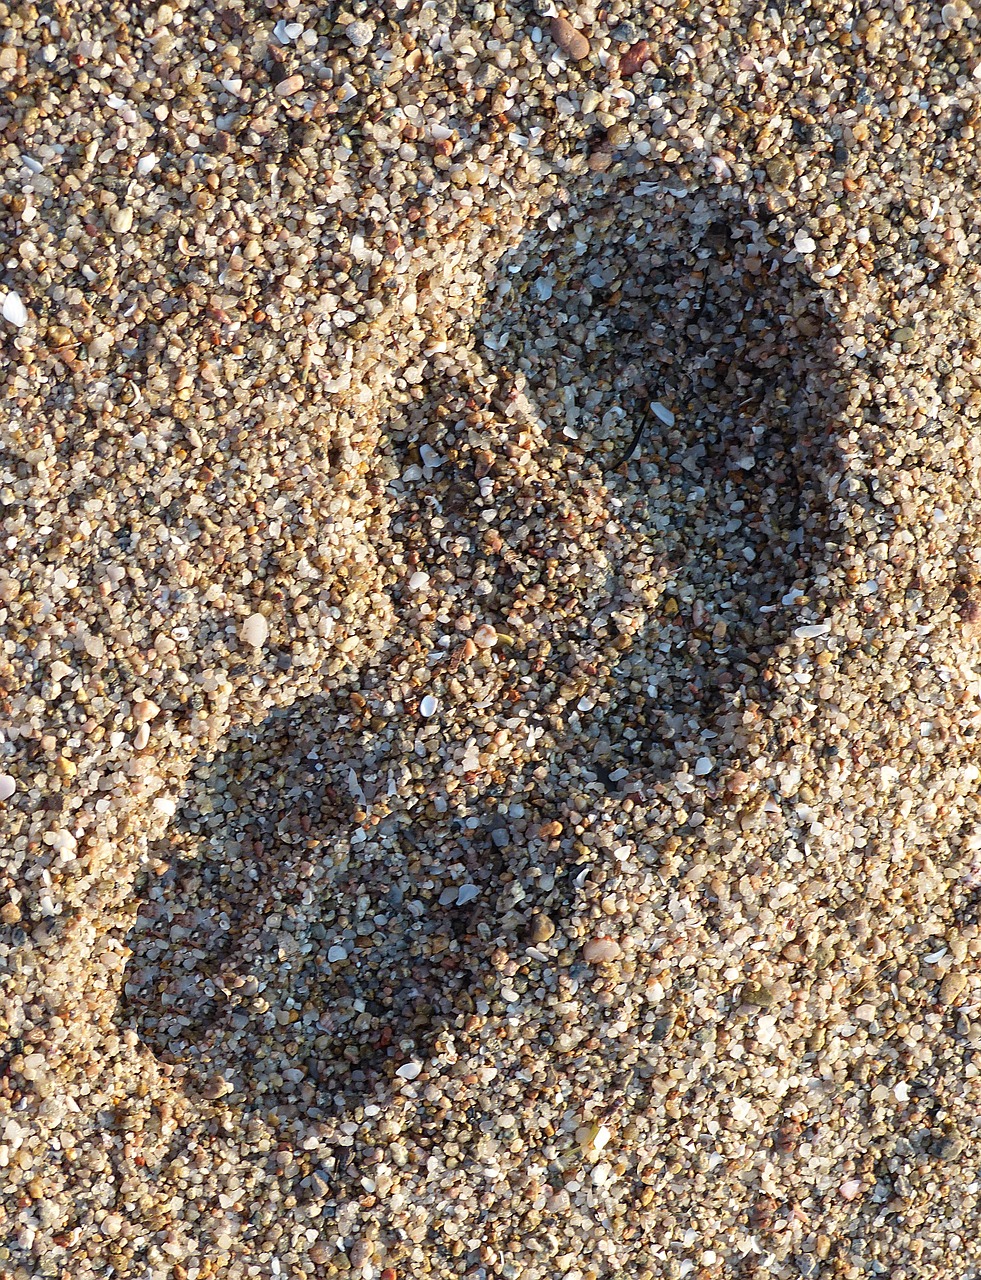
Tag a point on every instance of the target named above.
point(428, 706)
point(255, 631)
point(601, 950)
point(466, 894)
point(360, 34)
point(409, 1070)
point(336, 954)
point(142, 737)
point(659, 411)
point(485, 637)
point(703, 766)
point(8, 786)
point(593, 1137)
point(14, 310)
point(61, 841)
point(419, 581)
point(803, 243)
point(812, 631)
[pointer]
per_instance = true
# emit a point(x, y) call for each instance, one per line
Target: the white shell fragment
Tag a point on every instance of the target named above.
point(485, 637)
point(409, 1070)
point(255, 631)
point(14, 310)
point(660, 411)
point(812, 630)
point(592, 1138)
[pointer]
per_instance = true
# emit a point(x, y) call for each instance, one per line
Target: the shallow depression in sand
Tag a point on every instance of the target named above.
point(316, 918)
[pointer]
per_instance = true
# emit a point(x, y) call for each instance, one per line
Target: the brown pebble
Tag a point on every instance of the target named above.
point(952, 987)
point(58, 336)
point(600, 950)
point(65, 767)
point(600, 160)
point(292, 84)
point(781, 172)
point(542, 927)
point(144, 711)
point(756, 993)
point(360, 1253)
point(10, 913)
point(635, 57)
point(569, 40)
point(737, 782)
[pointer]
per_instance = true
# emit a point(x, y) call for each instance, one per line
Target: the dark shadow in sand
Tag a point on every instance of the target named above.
point(383, 949)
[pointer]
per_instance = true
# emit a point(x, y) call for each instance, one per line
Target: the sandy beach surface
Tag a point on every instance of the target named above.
point(490, 605)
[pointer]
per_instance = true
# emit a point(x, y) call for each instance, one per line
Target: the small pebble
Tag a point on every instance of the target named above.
point(759, 994)
point(952, 987)
point(542, 927)
point(485, 637)
point(950, 1149)
point(409, 1070)
point(569, 39)
point(625, 33)
point(601, 950)
point(8, 786)
point(14, 311)
point(291, 85)
point(360, 1253)
point(360, 34)
point(812, 630)
point(428, 706)
point(634, 58)
point(255, 630)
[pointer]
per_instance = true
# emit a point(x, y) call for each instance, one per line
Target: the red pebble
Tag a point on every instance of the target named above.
point(634, 58)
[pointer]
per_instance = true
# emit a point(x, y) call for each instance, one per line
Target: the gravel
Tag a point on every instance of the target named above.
point(490, 617)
